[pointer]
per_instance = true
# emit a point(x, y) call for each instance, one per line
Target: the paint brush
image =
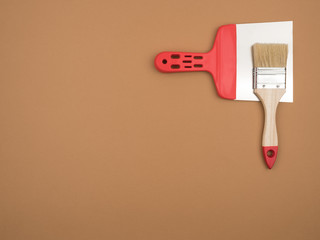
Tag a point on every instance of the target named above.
point(269, 83)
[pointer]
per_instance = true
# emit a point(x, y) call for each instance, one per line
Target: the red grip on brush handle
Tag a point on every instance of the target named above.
point(182, 62)
point(270, 155)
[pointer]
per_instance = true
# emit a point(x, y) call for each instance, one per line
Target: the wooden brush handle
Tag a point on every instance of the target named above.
point(270, 99)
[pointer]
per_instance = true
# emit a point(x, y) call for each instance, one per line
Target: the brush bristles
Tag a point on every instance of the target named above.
point(270, 55)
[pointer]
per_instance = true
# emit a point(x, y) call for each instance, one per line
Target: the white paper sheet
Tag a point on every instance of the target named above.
point(249, 34)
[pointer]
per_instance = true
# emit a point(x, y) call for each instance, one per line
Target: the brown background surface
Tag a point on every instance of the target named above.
point(96, 144)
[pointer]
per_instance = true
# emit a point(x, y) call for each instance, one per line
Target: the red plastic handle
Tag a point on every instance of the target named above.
point(270, 155)
point(182, 62)
point(220, 61)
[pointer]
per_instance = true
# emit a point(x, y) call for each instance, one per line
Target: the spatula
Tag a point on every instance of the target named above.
point(230, 60)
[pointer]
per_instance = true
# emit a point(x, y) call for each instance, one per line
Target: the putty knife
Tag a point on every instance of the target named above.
point(230, 60)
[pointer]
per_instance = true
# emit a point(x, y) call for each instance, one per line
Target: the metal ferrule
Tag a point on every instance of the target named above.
point(269, 77)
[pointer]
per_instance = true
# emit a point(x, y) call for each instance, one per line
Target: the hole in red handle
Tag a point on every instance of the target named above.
point(197, 57)
point(198, 65)
point(175, 66)
point(175, 56)
point(270, 153)
point(164, 61)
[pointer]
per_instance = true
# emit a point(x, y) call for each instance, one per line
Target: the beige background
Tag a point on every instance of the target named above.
point(96, 144)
